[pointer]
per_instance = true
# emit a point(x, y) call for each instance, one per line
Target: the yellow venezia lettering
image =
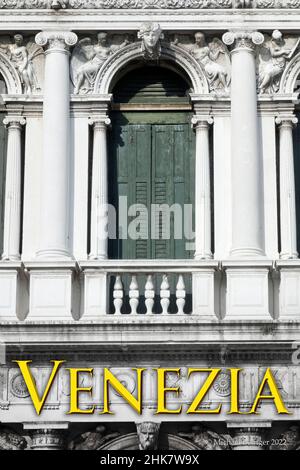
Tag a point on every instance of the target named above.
point(267, 392)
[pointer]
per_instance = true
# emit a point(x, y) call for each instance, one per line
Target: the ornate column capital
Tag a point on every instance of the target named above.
point(201, 121)
point(14, 122)
point(247, 40)
point(99, 122)
point(286, 120)
point(48, 439)
point(56, 41)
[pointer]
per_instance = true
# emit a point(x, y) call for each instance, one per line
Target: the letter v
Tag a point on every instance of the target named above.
point(31, 384)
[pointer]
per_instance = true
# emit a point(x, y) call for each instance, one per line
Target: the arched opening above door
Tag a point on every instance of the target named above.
point(158, 86)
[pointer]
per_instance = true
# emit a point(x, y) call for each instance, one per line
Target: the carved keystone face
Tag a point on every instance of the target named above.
point(147, 439)
point(151, 38)
point(148, 435)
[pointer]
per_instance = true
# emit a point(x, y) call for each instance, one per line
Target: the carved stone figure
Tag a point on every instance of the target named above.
point(87, 59)
point(242, 3)
point(148, 435)
point(22, 57)
point(58, 4)
point(151, 35)
point(92, 440)
point(208, 440)
point(273, 56)
point(288, 440)
point(11, 441)
point(214, 59)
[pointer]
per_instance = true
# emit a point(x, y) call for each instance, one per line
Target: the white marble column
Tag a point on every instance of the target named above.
point(99, 215)
point(247, 187)
point(54, 223)
point(202, 188)
point(12, 214)
point(288, 226)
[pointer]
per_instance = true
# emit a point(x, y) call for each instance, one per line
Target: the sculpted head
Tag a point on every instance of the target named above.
point(277, 36)
point(18, 39)
point(200, 39)
point(292, 434)
point(102, 38)
point(148, 435)
point(150, 33)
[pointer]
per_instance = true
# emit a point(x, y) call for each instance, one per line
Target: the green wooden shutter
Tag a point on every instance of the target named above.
point(131, 158)
point(152, 164)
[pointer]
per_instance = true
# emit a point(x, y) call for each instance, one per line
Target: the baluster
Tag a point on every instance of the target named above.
point(118, 295)
point(149, 294)
point(180, 295)
point(134, 295)
point(165, 294)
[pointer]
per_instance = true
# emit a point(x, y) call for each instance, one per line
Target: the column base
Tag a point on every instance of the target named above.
point(53, 255)
point(247, 293)
point(241, 253)
point(287, 256)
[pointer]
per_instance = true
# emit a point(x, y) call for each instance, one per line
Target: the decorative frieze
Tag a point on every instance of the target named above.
point(27, 58)
point(272, 60)
point(213, 57)
point(11, 441)
point(92, 440)
point(87, 59)
point(146, 4)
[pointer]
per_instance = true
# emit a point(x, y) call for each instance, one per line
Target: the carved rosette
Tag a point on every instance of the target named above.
point(243, 39)
point(56, 41)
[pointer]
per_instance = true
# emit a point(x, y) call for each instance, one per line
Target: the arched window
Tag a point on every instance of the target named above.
point(151, 164)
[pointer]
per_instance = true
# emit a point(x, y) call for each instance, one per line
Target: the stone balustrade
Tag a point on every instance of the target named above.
point(148, 290)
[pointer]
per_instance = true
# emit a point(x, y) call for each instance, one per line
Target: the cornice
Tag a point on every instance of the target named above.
point(130, 20)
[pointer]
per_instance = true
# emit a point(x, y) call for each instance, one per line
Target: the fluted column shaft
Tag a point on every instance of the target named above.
point(247, 187)
point(12, 213)
point(54, 223)
point(288, 225)
point(99, 215)
point(202, 188)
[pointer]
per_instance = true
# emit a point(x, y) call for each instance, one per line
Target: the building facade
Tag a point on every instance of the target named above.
point(108, 110)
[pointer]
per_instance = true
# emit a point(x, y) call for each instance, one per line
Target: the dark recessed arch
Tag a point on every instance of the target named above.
point(156, 82)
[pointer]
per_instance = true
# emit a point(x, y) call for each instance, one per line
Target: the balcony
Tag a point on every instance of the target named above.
point(170, 291)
